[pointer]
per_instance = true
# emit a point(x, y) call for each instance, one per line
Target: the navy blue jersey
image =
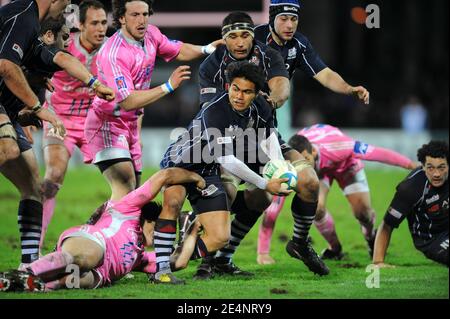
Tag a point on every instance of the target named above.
point(297, 53)
point(38, 62)
point(218, 130)
point(19, 27)
point(212, 70)
point(424, 206)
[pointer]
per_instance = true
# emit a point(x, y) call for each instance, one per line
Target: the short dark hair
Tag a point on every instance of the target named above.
point(119, 9)
point(53, 25)
point(300, 143)
point(434, 149)
point(236, 17)
point(85, 5)
point(247, 70)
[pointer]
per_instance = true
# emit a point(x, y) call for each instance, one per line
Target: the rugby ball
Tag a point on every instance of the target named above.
point(281, 169)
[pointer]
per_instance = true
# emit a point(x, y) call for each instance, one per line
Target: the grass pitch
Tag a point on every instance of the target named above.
point(414, 277)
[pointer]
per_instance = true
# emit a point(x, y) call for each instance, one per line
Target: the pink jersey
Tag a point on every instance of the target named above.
point(126, 65)
point(71, 96)
point(338, 152)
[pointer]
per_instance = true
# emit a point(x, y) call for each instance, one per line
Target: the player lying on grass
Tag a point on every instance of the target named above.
point(335, 156)
point(422, 198)
point(111, 248)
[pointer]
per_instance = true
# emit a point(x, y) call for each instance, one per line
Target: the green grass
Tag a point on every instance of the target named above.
point(414, 277)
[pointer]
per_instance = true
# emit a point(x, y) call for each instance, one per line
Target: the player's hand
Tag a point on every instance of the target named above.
point(105, 93)
point(414, 165)
point(361, 93)
point(26, 117)
point(274, 187)
point(200, 183)
point(182, 73)
point(268, 99)
point(58, 130)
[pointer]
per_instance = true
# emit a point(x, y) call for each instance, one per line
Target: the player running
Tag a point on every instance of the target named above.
point(70, 101)
point(212, 141)
point(335, 156)
point(238, 33)
point(105, 252)
point(421, 198)
point(126, 62)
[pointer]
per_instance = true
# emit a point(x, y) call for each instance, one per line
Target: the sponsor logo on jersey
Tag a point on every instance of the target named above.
point(255, 60)
point(121, 83)
point(210, 190)
point(292, 53)
point(432, 199)
point(434, 208)
point(361, 148)
point(18, 49)
point(208, 91)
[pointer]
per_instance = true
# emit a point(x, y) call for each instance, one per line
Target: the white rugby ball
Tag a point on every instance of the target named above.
point(281, 169)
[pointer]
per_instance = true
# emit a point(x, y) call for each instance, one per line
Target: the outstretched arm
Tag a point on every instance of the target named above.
point(76, 69)
point(190, 52)
point(148, 191)
point(333, 81)
point(379, 154)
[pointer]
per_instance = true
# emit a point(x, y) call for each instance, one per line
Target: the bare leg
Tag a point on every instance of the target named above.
point(56, 161)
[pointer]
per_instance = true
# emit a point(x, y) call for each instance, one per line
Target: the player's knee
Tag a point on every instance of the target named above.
point(320, 213)
point(172, 205)
point(9, 151)
point(309, 187)
point(50, 189)
point(55, 175)
point(364, 213)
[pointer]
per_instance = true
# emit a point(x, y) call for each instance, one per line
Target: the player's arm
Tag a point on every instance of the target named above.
point(148, 191)
point(280, 89)
point(373, 153)
point(278, 79)
point(402, 204)
point(239, 169)
point(77, 70)
point(190, 52)
point(333, 81)
point(139, 99)
point(382, 243)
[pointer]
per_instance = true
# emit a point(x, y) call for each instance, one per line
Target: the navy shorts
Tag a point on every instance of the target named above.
point(22, 140)
point(212, 198)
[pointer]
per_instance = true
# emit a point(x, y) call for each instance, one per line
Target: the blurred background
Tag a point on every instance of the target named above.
point(403, 63)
